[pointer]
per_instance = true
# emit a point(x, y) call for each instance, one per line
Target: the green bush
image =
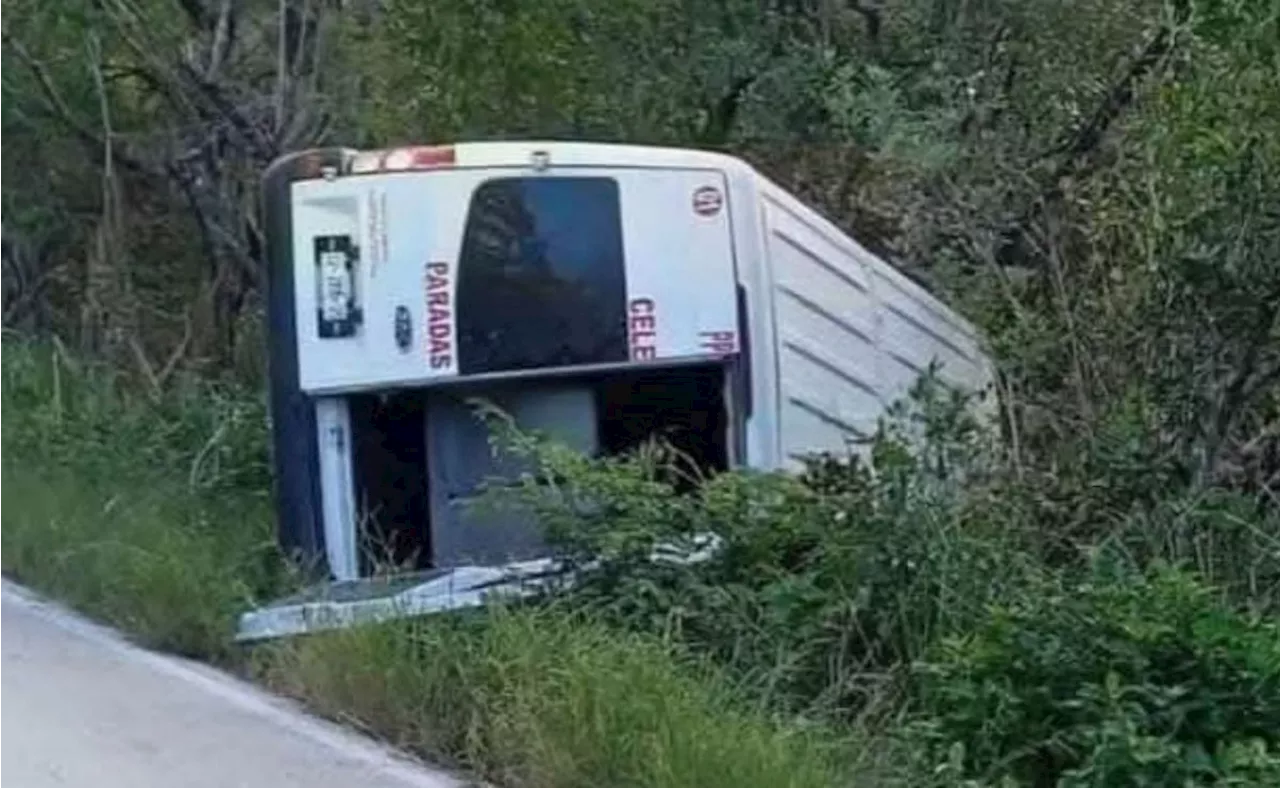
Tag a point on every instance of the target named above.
point(1129, 681)
point(823, 585)
point(1223, 536)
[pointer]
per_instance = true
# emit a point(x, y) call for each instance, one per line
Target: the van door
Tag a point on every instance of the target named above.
point(681, 272)
point(462, 461)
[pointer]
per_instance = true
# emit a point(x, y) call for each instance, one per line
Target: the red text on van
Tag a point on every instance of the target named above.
point(439, 316)
point(642, 329)
point(724, 342)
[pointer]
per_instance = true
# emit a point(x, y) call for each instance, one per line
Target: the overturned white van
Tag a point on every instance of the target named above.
point(598, 293)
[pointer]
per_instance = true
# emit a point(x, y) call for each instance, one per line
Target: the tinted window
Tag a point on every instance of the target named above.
point(541, 280)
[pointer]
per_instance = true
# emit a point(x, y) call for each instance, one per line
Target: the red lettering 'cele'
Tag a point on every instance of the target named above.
point(642, 329)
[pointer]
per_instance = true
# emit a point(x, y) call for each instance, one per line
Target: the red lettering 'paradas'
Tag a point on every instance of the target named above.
point(439, 316)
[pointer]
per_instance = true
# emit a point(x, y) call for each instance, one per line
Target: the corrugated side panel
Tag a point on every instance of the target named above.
point(853, 333)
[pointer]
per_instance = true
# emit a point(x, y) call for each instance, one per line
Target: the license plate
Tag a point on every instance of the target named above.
point(335, 286)
point(336, 297)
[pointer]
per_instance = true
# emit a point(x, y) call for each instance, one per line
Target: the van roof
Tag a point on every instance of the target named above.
point(520, 152)
point(568, 153)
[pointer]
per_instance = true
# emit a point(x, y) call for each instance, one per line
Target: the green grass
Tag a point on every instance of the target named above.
point(547, 699)
point(141, 512)
point(164, 566)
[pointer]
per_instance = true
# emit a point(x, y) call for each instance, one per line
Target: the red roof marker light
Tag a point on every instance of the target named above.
point(416, 157)
point(422, 157)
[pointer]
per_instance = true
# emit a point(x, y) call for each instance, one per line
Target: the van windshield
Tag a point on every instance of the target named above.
point(541, 280)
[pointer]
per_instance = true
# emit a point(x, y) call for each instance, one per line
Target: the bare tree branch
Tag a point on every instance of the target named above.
point(223, 39)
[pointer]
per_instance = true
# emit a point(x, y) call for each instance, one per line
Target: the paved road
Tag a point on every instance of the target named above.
point(83, 708)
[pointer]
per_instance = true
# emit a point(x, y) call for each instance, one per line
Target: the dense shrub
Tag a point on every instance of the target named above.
point(1222, 536)
point(822, 585)
point(1118, 681)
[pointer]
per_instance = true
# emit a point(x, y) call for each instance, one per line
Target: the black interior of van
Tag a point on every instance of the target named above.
point(389, 452)
point(683, 407)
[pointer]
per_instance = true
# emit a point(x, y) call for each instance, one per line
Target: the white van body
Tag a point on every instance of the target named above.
point(721, 264)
